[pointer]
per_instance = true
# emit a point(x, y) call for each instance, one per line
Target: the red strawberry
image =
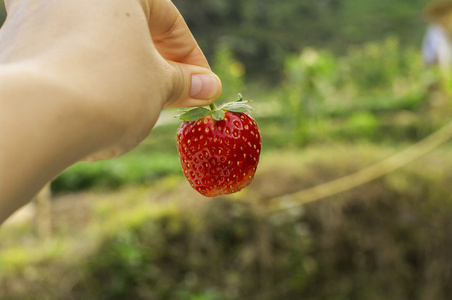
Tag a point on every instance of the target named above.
point(219, 148)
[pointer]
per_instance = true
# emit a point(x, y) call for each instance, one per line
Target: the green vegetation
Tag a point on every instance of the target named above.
point(261, 33)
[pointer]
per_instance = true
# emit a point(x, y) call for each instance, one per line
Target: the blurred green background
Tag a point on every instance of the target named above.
point(337, 85)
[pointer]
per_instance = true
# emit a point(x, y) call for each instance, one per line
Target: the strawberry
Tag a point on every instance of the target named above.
point(219, 148)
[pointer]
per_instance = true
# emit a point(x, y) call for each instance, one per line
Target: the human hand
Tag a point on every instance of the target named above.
point(124, 60)
point(88, 78)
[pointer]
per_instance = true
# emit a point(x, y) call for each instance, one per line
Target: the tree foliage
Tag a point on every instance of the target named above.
point(262, 32)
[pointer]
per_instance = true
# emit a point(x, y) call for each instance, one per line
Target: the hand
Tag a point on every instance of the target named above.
point(126, 58)
point(84, 78)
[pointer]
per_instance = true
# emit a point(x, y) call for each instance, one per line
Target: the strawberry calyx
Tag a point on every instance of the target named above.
point(194, 114)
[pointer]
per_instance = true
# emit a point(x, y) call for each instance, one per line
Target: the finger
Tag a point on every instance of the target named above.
point(171, 35)
point(192, 86)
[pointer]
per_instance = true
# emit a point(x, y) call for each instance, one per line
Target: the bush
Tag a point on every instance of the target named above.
point(367, 82)
point(226, 252)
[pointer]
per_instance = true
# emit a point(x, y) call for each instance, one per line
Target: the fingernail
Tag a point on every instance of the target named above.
point(204, 86)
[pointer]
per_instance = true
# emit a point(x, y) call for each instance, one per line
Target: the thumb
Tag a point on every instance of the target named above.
point(192, 86)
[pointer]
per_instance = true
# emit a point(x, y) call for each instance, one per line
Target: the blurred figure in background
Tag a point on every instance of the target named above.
point(437, 49)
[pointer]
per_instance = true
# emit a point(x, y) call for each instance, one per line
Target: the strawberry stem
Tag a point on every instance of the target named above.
point(212, 106)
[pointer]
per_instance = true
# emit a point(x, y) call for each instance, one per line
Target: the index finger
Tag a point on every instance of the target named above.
point(171, 35)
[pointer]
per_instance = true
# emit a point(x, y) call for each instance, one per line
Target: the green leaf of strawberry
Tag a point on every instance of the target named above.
point(194, 114)
point(218, 114)
point(219, 151)
point(240, 107)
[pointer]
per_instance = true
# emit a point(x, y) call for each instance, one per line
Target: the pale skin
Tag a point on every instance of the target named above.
point(87, 79)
